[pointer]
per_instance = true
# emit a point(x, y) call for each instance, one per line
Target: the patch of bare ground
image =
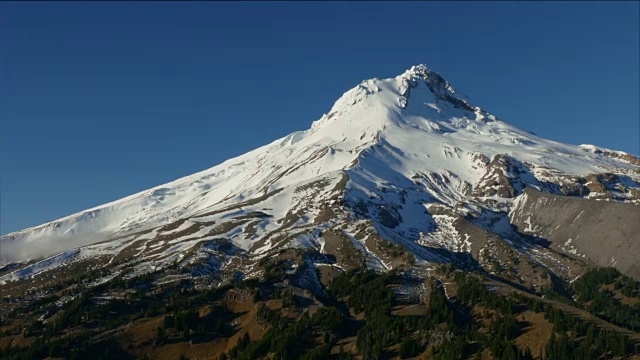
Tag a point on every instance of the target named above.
point(327, 273)
point(392, 254)
point(251, 229)
point(165, 239)
point(620, 297)
point(326, 213)
point(129, 251)
point(190, 252)
point(246, 321)
point(241, 204)
point(447, 281)
point(132, 248)
point(484, 355)
point(204, 351)
point(162, 237)
point(290, 219)
point(582, 314)
point(172, 226)
point(347, 345)
point(537, 333)
point(333, 205)
point(316, 186)
point(410, 310)
point(192, 229)
point(271, 237)
point(501, 259)
point(18, 340)
point(276, 240)
point(340, 246)
point(226, 227)
point(139, 338)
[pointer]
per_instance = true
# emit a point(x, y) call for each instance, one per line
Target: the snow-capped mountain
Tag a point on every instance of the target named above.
point(402, 170)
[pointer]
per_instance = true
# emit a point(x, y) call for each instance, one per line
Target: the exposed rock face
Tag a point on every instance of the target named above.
point(594, 184)
point(605, 232)
point(501, 178)
point(576, 188)
point(602, 186)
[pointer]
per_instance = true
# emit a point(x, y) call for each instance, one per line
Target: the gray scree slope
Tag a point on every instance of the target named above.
point(606, 232)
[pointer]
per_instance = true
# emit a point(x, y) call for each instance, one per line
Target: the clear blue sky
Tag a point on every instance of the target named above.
point(101, 100)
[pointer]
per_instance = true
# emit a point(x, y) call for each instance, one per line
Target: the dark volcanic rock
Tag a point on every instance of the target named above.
point(501, 178)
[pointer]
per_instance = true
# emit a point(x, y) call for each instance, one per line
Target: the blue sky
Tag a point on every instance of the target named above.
point(101, 100)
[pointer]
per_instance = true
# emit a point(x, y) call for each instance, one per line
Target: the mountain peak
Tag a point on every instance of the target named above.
point(437, 85)
point(420, 71)
point(417, 70)
point(426, 88)
point(412, 132)
point(431, 77)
